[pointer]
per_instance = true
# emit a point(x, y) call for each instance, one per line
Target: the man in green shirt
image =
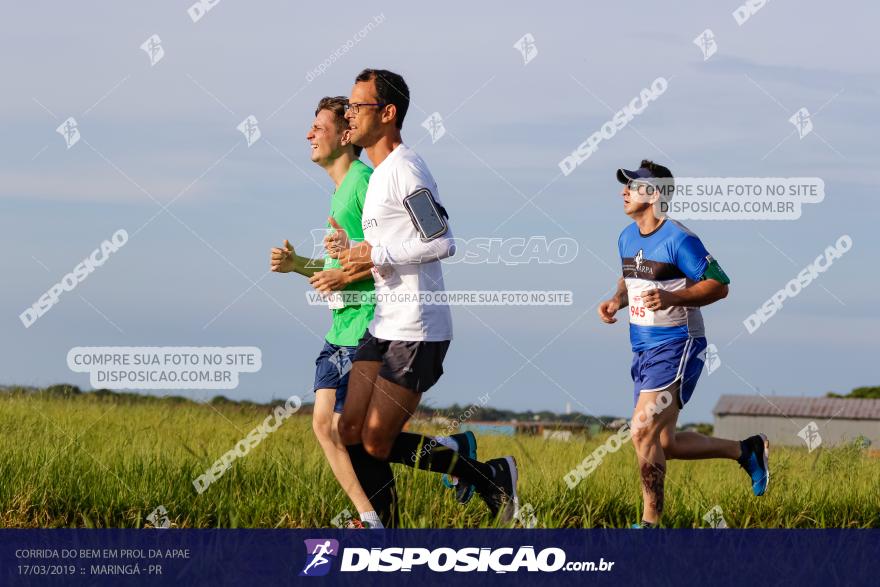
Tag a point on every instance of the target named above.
point(331, 148)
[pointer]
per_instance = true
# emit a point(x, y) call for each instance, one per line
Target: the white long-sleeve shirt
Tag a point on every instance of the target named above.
point(404, 264)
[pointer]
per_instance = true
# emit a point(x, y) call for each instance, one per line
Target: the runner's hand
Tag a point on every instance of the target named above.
point(337, 241)
point(329, 280)
point(356, 259)
point(658, 299)
point(608, 309)
point(281, 260)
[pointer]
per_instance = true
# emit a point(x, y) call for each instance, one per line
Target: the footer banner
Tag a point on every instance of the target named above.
point(387, 557)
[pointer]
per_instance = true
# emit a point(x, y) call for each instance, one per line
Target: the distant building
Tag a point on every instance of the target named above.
point(561, 435)
point(563, 431)
point(809, 422)
point(617, 424)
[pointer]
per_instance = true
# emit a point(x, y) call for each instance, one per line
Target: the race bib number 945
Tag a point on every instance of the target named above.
point(638, 313)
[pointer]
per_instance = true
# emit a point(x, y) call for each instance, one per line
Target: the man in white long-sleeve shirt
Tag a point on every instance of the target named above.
point(401, 355)
point(403, 263)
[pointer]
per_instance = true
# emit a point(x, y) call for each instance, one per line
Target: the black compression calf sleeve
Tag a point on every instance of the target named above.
point(377, 481)
point(423, 452)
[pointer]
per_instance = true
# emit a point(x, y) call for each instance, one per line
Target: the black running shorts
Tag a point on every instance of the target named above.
point(413, 364)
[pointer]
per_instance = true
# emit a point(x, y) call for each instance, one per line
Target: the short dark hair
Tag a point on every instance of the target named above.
point(667, 188)
point(390, 89)
point(336, 105)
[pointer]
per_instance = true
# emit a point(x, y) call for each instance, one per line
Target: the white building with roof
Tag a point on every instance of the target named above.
point(798, 421)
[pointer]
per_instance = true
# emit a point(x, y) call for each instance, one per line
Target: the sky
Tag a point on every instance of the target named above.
point(161, 157)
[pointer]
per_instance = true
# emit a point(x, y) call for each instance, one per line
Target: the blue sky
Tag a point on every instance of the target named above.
point(168, 132)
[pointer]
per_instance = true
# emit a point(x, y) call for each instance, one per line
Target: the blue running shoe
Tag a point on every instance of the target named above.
point(643, 525)
point(467, 446)
point(755, 460)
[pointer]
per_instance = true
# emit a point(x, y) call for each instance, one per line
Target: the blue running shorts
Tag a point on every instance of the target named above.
point(659, 368)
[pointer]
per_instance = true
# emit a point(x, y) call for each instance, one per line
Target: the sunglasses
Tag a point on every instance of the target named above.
point(635, 184)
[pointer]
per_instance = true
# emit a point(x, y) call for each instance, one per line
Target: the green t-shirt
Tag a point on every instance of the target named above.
point(346, 206)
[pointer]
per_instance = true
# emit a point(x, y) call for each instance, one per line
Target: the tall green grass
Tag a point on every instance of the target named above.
point(88, 461)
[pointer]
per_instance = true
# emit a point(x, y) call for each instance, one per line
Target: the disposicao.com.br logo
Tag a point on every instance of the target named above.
point(443, 559)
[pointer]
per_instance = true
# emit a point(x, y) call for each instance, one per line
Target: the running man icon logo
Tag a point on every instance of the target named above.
point(153, 48)
point(342, 360)
point(803, 122)
point(706, 42)
point(70, 131)
point(715, 518)
point(342, 519)
point(711, 358)
point(810, 435)
point(317, 562)
point(250, 130)
point(526, 516)
point(526, 46)
point(159, 518)
point(639, 261)
point(434, 126)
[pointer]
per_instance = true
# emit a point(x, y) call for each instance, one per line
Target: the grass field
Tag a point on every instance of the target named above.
point(93, 462)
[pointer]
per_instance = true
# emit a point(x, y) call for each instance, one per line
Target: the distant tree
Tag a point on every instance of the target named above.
point(466, 413)
point(866, 392)
point(107, 394)
point(872, 392)
point(62, 390)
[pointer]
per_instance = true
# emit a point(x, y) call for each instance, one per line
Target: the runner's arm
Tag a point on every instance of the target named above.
point(361, 258)
point(621, 295)
point(284, 259)
point(700, 294)
point(710, 280)
point(414, 251)
point(611, 306)
point(306, 266)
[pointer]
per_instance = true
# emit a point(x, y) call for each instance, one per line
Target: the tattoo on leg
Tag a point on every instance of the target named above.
point(653, 475)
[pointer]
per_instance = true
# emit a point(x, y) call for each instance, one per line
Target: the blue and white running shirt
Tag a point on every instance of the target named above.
point(670, 258)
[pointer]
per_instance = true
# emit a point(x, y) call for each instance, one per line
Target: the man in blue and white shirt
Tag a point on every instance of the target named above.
point(667, 276)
